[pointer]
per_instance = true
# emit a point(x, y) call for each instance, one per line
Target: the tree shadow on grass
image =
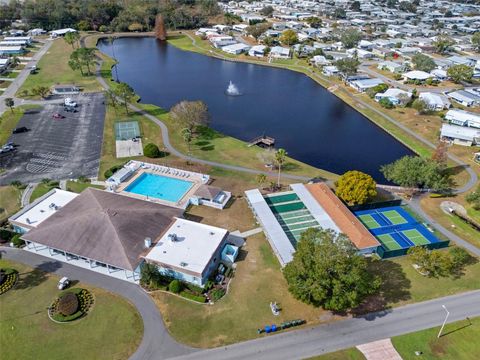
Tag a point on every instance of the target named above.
point(157, 111)
point(37, 276)
point(207, 133)
point(242, 255)
point(289, 166)
point(459, 271)
point(208, 148)
point(395, 288)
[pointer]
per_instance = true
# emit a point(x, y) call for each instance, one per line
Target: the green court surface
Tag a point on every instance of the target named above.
point(388, 242)
point(369, 221)
point(394, 217)
point(281, 198)
point(416, 237)
point(126, 130)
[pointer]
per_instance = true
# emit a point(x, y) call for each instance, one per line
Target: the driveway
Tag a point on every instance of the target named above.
point(57, 148)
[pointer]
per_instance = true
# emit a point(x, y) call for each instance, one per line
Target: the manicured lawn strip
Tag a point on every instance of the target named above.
point(347, 354)
point(53, 69)
point(215, 146)
point(9, 201)
point(78, 187)
point(11, 75)
point(112, 330)
point(40, 190)
point(458, 342)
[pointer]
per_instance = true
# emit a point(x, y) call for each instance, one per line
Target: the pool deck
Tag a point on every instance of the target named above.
point(196, 179)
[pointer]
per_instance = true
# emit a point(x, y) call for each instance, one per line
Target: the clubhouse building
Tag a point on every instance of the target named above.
point(115, 234)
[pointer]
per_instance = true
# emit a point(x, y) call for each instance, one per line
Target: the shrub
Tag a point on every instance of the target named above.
point(195, 289)
point(387, 104)
point(68, 304)
point(112, 171)
point(460, 257)
point(6, 235)
point(175, 286)
point(198, 298)
point(151, 150)
point(217, 294)
point(17, 242)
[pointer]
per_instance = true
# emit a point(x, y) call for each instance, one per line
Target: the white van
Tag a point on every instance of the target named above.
point(70, 102)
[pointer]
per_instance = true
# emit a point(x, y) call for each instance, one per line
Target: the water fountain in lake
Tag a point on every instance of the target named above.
point(232, 90)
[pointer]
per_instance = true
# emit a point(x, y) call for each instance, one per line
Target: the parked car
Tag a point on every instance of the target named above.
point(58, 116)
point(19, 130)
point(70, 102)
point(69, 109)
point(63, 283)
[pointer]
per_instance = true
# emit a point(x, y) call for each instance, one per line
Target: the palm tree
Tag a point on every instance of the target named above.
point(15, 61)
point(71, 38)
point(261, 179)
point(280, 158)
point(187, 137)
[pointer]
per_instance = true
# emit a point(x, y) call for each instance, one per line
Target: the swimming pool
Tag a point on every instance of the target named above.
point(160, 187)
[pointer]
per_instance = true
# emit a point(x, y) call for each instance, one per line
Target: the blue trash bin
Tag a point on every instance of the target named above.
point(268, 329)
point(274, 328)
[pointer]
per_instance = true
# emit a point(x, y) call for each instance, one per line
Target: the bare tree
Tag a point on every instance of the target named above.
point(190, 114)
point(160, 30)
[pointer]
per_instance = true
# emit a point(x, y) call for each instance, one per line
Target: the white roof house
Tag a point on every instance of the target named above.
point(280, 52)
point(460, 135)
point(395, 96)
point(236, 49)
point(61, 32)
point(465, 98)
point(417, 75)
point(188, 250)
point(257, 50)
point(365, 84)
point(463, 118)
point(435, 101)
point(41, 209)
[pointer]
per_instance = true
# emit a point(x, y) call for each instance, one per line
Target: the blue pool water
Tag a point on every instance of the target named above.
point(160, 187)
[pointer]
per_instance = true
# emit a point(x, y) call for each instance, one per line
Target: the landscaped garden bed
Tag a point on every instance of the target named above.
point(8, 278)
point(71, 305)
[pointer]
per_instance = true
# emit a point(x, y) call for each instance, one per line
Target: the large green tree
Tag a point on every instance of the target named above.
point(350, 38)
point(355, 187)
point(125, 93)
point(423, 62)
point(476, 41)
point(347, 66)
point(417, 172)
point(257, 30)
point(289, 37)
point(326, 271)
point(443, 43)
point(460, 73)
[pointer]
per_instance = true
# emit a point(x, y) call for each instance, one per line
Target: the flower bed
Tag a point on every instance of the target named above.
point(8, 278)
point(71, 305)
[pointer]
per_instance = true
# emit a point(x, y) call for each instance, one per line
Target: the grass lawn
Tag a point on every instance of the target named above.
point(53, 69)
point(41, 189)
point(257, 282)
point(78, 187)
point(459, 341)
point(9, 201)
point(112, 330)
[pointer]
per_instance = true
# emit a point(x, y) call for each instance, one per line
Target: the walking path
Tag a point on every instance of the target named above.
point(379, 350)
point(27, 194)
point(248, 233)
point(63, 184)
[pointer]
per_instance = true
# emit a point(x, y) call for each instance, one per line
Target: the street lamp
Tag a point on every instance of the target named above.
point(444, 321)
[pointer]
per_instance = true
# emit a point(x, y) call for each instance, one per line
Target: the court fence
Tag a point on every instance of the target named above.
point(376, 205)
point(386, 254)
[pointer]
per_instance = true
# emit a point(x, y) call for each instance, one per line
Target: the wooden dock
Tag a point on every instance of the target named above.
point(263, 141)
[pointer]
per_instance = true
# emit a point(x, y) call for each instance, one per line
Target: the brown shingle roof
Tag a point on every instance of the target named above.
point(345, 220)
point(207, 192)
point(105, 227)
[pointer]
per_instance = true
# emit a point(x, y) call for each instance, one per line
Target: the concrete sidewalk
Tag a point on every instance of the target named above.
point(379, 350)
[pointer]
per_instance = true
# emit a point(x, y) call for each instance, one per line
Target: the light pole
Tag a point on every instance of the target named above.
point(444, 321)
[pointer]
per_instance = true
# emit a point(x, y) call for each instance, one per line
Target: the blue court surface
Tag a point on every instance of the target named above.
point(397, 230)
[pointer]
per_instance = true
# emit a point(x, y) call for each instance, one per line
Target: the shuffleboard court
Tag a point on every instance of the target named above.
point(126, 130)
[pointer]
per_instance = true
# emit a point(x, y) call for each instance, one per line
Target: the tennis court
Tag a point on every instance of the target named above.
point(397, 230)
point(126, 130)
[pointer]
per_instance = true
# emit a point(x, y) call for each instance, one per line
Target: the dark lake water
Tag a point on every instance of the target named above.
point(313, 125)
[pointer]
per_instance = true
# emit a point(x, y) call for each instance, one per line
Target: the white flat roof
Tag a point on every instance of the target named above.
point(44, 207)
point(193, 249)
point(276, 236)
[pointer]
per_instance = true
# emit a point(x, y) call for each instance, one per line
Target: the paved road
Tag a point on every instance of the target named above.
point(305, 343)
point(156, 342)
point(22, 76)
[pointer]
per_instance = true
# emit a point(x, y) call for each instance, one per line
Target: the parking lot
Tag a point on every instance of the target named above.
point(57, 149)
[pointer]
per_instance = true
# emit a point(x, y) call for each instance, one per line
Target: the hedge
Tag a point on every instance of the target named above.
point(17, 242)
point(175, 286)
point(112, 171)
point(151, 150)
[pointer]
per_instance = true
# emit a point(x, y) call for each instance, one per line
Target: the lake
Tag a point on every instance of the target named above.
point(313, 125)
